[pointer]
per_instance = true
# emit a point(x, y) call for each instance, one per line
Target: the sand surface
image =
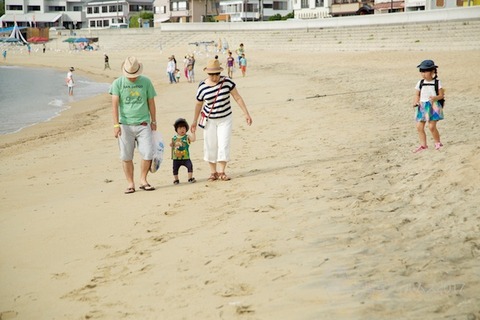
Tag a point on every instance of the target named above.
point(329, 214)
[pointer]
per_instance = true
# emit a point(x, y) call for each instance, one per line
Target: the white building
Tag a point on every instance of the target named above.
point(45, 13)
point(101, 14)
point(71, 14)
point(312, 9)
point(254, 10)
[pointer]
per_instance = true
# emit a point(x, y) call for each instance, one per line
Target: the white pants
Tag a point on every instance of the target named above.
point(216, 139)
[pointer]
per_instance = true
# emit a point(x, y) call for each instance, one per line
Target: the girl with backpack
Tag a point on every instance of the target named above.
point(429, 100)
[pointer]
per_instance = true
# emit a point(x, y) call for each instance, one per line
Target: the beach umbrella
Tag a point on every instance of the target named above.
point(69, 40)
point(81, 40)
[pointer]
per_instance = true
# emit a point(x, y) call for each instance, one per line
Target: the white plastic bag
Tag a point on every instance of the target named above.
point(158, 148)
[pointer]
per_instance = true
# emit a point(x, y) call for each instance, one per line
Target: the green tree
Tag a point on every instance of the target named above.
point(2, 7)
point(144, 15)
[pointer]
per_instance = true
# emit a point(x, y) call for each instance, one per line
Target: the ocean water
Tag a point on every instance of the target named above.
point(32, 95)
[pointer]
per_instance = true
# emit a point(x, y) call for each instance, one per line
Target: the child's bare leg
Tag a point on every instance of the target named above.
point(422, 137)
point(432, 125)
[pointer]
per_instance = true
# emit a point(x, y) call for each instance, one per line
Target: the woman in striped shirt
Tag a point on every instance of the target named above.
point(213, 105)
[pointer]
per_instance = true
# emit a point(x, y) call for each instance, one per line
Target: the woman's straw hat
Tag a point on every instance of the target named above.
point(132, 68)
point(213, 66)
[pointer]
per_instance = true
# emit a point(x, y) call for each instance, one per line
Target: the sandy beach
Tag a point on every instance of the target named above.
point(329, 214)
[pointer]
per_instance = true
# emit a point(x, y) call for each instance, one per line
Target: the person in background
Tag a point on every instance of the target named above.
point(107, 64)
point(230, 65)
point(171, 70)
point(243, 64)
point(70, 81)
point(134, 119)
point(191, 68)
point(240, 51)
point(177, 75)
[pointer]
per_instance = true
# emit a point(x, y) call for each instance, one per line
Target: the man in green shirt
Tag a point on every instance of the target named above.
point(134, 118)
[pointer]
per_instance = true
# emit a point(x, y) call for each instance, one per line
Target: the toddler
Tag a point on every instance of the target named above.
point(180, 150)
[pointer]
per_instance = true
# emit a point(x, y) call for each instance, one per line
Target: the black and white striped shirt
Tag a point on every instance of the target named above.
point(207, 94)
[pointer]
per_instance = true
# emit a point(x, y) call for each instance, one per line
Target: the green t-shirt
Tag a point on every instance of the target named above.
point(134, 96)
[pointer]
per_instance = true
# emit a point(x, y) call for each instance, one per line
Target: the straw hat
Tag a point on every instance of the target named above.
point(131, 68)
point(213, 66)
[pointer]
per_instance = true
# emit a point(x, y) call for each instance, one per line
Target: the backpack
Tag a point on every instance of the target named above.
point(442, 102)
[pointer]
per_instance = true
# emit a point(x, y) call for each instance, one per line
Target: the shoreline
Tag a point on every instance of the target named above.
point(328, 214)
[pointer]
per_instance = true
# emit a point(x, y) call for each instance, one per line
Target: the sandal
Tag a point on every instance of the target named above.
point(222, 176)
point(192, 180)
point(147, 187)
point(213, 177)
point(130, 190)
point(420, 148)
point(176, 181)
point(438, 145)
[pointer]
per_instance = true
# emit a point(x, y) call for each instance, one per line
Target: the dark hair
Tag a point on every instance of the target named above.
point(181, 122)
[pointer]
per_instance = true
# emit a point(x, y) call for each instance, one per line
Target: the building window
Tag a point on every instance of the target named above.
point(56, 8)
point(89, 10)
point(15, 7)
point(99, 23)
point(162, 9)
point(459, 3)
point(178, 5)
point(92, 23)
point(96, 10)
point(304, 4)
point(440, 3)
point(135, 8)
point(106, 23)
point(104, 9)
point(33, 8)
point(77, 8)
point(319, 3)
point(279, 5)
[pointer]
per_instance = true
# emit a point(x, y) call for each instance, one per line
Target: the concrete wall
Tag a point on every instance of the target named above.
point(383, 19)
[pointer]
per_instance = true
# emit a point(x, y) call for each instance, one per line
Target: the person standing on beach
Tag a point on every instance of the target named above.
point(70, 81)
point(4, 54)
point(230, 65)
point(191, 68)
point(44, 48)
point(428, 101)
point(107, 64)
point(134, 119)
point(214, 108)
point(181, 150)
point(171, 70)
point(243, 64)
point(240, 51)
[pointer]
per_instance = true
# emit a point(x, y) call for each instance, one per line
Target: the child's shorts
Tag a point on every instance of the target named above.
point(428, 112)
